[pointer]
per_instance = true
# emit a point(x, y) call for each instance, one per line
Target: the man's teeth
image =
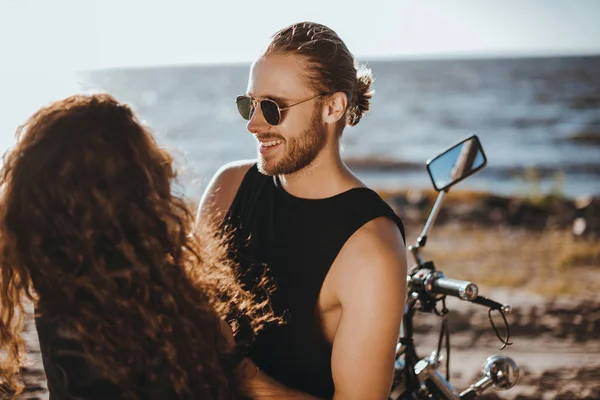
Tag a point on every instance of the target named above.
point(273, 143)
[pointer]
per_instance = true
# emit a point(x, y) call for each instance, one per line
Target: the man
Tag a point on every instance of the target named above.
point(333, 248)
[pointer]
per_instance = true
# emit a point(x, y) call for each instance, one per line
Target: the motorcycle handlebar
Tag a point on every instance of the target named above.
point(437, 283)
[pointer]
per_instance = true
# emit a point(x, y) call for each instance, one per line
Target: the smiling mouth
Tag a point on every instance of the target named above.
point(272, 143)
point(267, 147)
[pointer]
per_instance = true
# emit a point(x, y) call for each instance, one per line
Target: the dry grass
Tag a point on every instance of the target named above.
point(551, 263)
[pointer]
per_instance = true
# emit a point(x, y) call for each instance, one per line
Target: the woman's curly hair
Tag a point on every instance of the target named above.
point(92, 234)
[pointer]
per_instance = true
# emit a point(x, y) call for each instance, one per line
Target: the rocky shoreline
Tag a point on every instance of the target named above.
point(480, 209)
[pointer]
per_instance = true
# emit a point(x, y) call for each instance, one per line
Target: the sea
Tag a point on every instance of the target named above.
point(538, 119)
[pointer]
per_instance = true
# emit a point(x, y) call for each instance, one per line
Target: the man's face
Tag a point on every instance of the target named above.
point(296, 141)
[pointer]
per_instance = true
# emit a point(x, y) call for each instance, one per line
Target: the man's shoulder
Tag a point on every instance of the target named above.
point(372, 262)
point(382, 219)
point(380, 234)
point(229, 176)
point(234, 170)
point(221, 190)
point(378, 244)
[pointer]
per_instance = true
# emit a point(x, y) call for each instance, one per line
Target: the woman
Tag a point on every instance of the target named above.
point(129, 301)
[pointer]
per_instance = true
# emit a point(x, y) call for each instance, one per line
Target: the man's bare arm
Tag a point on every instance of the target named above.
point(370, 283)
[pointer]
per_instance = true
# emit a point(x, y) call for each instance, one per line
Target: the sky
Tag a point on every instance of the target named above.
point(43, 43)
point(68, 35)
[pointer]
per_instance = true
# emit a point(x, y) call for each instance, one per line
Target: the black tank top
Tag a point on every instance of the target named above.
point(297, 240)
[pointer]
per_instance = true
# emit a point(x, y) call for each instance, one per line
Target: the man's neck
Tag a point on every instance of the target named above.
point(326, 176)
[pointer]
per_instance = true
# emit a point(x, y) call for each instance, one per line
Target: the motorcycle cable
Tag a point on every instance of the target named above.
point(484, 301)
point(444, 333)
point(505, 342)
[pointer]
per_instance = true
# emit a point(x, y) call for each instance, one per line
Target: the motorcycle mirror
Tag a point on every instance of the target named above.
point(456, 163)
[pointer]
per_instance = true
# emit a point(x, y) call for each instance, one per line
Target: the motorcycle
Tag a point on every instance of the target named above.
point(419, 378)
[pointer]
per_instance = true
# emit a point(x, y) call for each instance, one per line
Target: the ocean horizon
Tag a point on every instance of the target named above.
point(537, 118)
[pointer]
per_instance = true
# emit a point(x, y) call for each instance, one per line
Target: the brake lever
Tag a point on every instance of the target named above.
point(494, 305)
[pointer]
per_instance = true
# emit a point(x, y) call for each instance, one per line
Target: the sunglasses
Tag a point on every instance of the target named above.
point(271, 111)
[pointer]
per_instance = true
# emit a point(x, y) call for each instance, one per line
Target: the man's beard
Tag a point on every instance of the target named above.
point(299, 152)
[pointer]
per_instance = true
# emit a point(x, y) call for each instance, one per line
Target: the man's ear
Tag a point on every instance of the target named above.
point(335, 107)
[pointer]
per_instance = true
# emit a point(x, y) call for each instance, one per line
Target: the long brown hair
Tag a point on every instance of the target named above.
point(88, 221)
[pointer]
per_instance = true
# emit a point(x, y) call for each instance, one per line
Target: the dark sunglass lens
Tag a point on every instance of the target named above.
point(245, 106)
point(270, 112)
